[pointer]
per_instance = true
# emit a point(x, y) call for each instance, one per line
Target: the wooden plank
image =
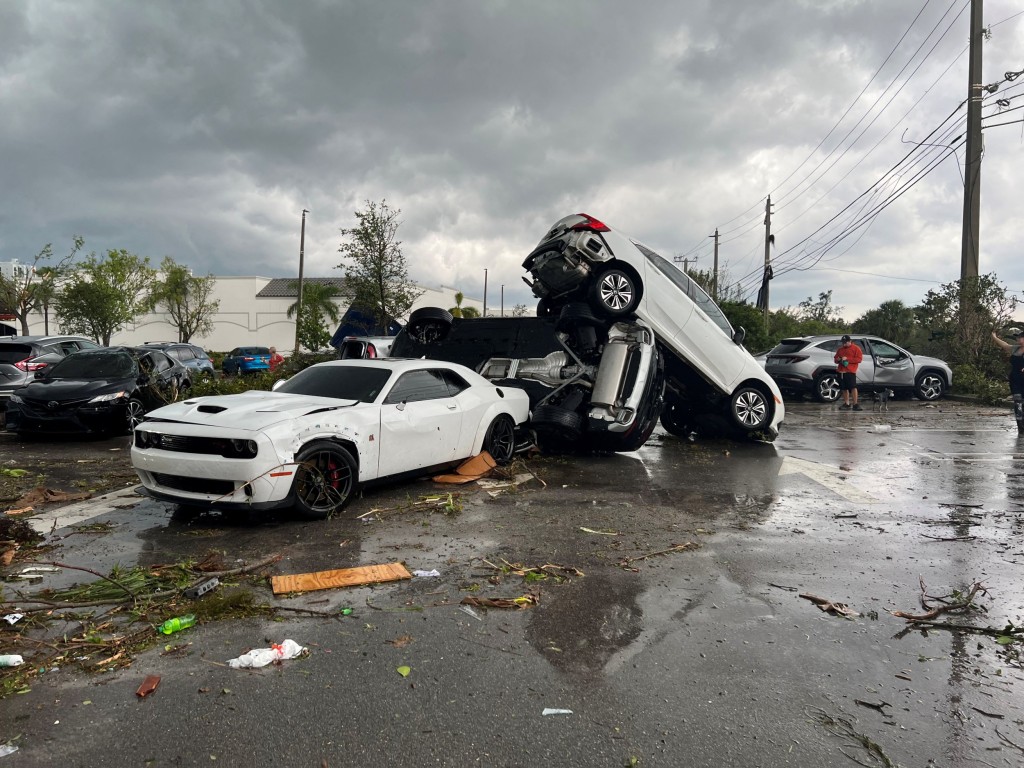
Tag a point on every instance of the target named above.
point(340, 577)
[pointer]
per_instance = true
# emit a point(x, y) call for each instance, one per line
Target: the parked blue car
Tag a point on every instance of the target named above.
point(246, 360)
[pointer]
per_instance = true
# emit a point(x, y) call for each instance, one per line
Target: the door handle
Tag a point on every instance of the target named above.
point(452, 407)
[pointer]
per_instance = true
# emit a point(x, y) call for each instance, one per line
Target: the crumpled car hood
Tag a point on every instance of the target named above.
point(252, 410)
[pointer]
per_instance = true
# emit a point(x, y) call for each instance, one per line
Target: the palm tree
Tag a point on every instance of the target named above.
point(317, 303)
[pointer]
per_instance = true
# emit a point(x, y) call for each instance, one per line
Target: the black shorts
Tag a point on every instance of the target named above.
point(847, 380)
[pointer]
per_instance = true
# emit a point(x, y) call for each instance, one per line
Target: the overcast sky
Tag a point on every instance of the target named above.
point(201, 130)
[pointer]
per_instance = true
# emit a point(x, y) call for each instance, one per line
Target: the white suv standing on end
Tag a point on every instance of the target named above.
point(709, 374)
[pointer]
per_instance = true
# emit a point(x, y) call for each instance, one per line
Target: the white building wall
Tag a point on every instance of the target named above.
point(242, 319)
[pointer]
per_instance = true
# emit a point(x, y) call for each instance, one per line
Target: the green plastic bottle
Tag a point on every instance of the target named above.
point(171, 626)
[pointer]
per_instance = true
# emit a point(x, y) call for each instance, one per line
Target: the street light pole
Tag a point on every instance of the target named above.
point(298, 304)
point(502, 299)
point(485, 293)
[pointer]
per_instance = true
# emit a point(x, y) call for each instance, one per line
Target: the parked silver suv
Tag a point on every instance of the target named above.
point(806, 364)
point(22, 356)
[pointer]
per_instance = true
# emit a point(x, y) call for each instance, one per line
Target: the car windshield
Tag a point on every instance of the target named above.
point(98, 364)
point(688, 287)
point(362, 383)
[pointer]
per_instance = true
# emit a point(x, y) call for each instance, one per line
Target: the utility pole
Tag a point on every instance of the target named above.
point(502, 299)
point(485, 293)
point(767, 259)
point(714, 275)
point(972, 170)
point(298, 304)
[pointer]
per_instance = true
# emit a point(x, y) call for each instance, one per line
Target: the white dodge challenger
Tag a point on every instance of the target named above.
point(319, 435)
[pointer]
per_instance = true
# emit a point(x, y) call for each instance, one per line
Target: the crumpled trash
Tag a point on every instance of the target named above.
point(13, 618)
point(550, 711)
point(260, 657)
point(426, 574)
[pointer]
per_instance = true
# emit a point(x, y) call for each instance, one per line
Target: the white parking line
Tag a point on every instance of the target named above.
point(80, 512)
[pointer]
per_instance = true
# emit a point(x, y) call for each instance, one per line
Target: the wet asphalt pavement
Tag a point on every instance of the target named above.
point(705, 655)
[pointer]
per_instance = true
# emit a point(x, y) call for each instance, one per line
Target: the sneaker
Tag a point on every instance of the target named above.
point(857, 408)
point(844, 406)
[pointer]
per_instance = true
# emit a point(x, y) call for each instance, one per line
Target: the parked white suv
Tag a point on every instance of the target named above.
point(709, 374)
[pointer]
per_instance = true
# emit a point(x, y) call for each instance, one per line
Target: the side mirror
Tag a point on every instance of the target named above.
point(739, 335)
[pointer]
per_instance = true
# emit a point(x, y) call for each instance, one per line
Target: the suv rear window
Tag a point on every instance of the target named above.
point(788, 347)
point(11, 352)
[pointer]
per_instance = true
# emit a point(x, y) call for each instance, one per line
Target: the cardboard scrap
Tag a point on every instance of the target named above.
point(340, 577)
point(470, 470)
point(148, 686)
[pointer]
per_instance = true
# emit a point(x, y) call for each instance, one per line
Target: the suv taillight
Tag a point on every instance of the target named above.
point(28, 366)
point(591, 224)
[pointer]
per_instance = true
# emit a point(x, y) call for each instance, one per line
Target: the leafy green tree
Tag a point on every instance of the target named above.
point(105, 294)
point(959, 317)
point(750, 318)
point(892, 320)
point(317, 307)
point(186, 299)
point(375, 268)
point(24, 292)
point(821, 311)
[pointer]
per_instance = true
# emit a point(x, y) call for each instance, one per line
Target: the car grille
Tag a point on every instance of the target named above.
point(211, 446)
point(195, 484)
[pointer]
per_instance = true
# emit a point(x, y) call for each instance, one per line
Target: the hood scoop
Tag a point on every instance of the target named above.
point(211, 408)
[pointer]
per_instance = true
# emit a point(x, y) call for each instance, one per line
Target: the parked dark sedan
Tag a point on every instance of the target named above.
point(101, 391)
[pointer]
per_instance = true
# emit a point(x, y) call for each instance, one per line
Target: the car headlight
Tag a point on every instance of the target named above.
point(109, 396)
point(244, 449)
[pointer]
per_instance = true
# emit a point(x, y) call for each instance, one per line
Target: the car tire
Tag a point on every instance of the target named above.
point(133, 413)
point(324, 480)
point(500, 440)
point(826, 388)
point(575, 315)
point(750, 409)
point(929, 386)
point(615, 292)
point(429, 325)
point(677, 418)
point(560, 426)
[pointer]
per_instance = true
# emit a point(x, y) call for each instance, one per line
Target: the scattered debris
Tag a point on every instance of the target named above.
point(19, 511)
point(404, 671)
point(13, 618)
point(601, 533)
point(426, 574)
point(400, 642)
point(41, 495)
point(341, 577)
point(549, 711)
point(536, 572)
point(828, 606)
point(448, 503)
point(842, 727)
point(958, 603)
point(148, 686)
point(202, 588)
point(626, 562)
point(467, 610)
point(524, 601)
point(880, 706)
point(11, 660)
point(260, 657)
point(470, 470)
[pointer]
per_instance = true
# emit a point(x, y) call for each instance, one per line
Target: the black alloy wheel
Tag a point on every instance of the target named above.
point(500, 440)
point(324, 480)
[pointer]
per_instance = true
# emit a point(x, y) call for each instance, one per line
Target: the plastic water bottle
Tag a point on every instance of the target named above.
point(171, 626)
